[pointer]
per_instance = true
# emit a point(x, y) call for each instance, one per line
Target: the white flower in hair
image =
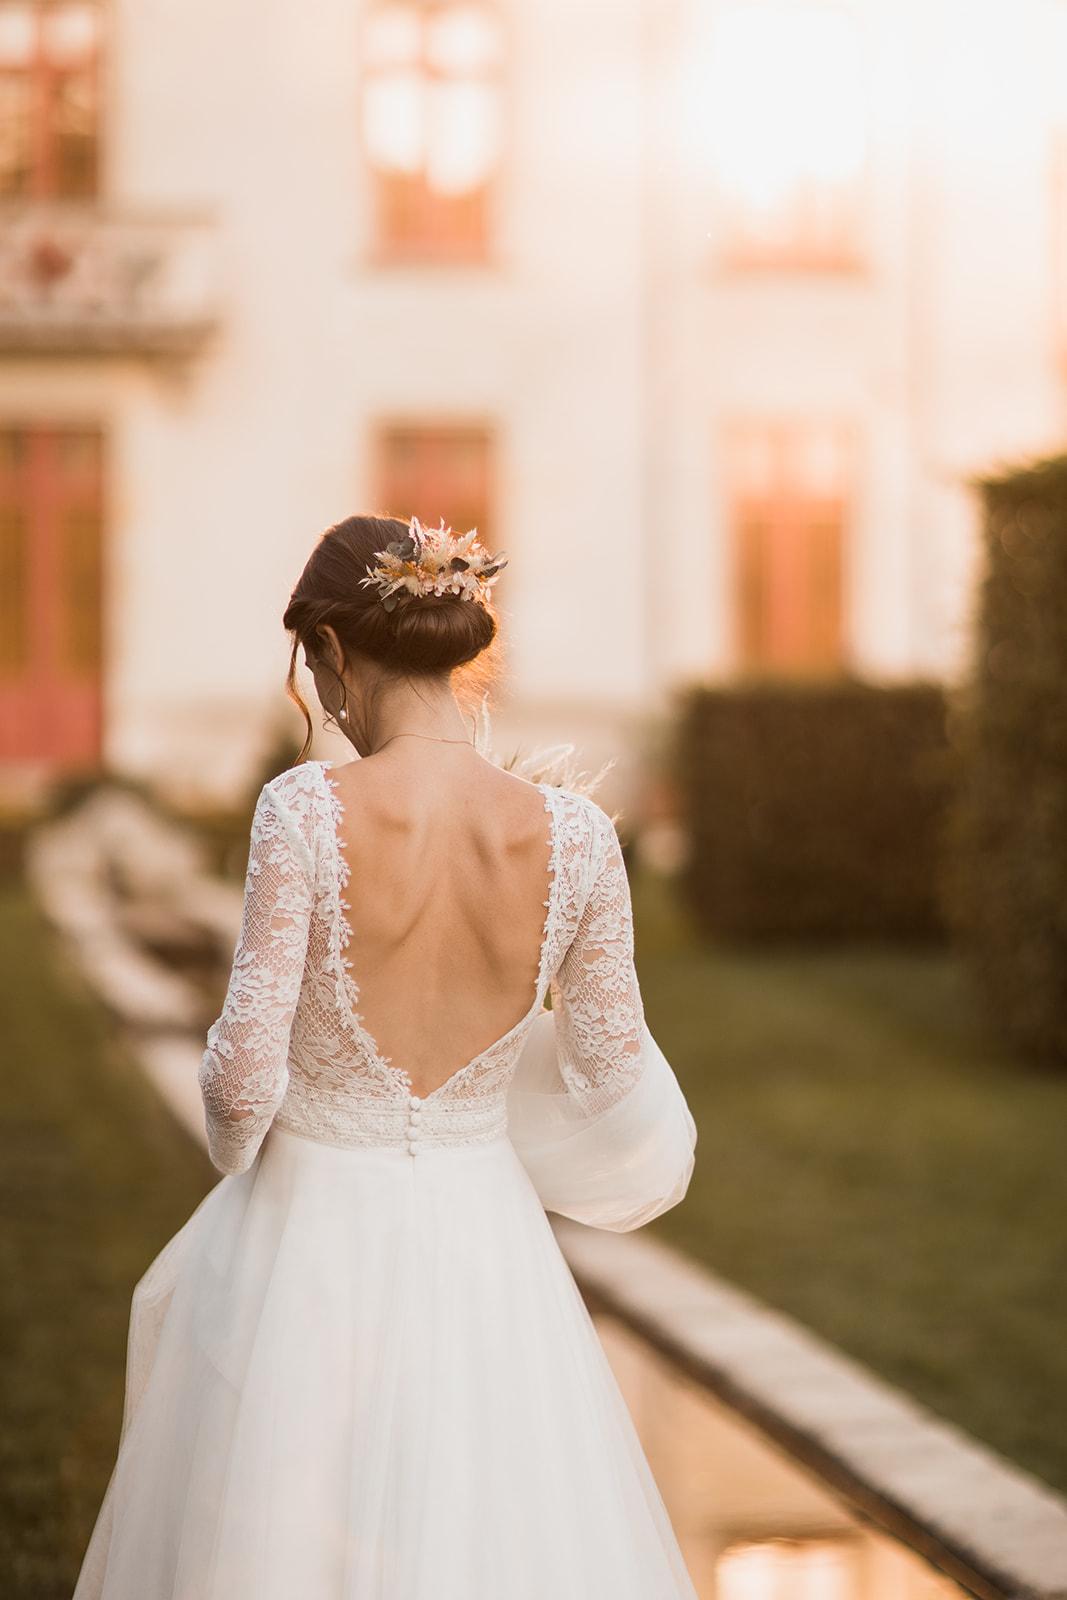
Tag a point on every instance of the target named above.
point(434, 561)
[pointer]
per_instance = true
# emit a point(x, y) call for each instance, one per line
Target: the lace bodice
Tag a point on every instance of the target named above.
point(290, 1045)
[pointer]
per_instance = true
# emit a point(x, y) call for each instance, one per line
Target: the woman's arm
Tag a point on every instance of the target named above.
point(595, 1111)
point(595, 994)
point(244, 1071)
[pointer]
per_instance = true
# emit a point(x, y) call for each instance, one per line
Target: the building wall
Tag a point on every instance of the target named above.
point(941, 350)
point(230, 473)
point(603, 343)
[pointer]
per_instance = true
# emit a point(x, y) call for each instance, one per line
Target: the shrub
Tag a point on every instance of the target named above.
point(814, 809)
point(1008, 838)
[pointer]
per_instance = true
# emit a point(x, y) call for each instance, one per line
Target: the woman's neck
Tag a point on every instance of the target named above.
point(414, 717)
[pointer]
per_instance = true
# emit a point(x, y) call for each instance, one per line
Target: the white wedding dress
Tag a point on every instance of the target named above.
point(362, 1370)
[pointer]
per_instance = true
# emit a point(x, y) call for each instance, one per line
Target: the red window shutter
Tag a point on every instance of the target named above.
point(51, 600)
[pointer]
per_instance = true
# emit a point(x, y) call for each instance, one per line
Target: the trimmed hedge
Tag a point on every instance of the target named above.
point(1008, 878)
point(815, 809)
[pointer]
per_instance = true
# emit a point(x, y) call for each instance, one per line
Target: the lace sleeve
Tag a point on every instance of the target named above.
point(244, 1070)
point(595, 993)
point(595, 1111)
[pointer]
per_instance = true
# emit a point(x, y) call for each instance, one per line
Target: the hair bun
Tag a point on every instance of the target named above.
point(438, 633)
point(416, 633)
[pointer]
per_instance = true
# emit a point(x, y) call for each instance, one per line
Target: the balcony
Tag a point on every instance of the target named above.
point(77, 281)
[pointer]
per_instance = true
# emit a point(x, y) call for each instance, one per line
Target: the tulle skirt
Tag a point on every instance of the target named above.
point(360, 1375)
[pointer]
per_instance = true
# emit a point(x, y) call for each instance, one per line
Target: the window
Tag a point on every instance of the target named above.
point(430, 115)
point(49, 100)
point(437, 471)
point(51, 602)
point(788, 128)
point(791, 494)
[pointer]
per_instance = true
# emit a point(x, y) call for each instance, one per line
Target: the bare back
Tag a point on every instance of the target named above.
point(446, 899)
point(403, 924)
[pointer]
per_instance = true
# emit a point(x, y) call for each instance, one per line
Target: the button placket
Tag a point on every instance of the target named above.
point(414, 1111)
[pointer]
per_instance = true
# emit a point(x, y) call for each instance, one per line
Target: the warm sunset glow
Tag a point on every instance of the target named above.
point(786, 121)
point(787, 97)
point(780, 1570)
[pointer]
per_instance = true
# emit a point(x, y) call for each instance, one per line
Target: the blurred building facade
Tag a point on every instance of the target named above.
point(703, 310)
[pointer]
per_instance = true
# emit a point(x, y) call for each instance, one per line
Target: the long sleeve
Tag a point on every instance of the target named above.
point(244, 1070)
point(595, 1111)
point(595, 993)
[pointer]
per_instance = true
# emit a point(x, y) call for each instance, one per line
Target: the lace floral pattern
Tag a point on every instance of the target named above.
point(595, 993)
point(290, 1044)
point(243, 1071)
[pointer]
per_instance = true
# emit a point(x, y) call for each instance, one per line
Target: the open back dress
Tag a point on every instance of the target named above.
point(362, 1370)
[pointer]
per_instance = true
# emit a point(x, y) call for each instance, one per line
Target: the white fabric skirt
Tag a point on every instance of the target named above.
point(360, 1375)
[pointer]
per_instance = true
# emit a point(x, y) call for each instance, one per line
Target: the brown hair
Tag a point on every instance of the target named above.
point(423, 636)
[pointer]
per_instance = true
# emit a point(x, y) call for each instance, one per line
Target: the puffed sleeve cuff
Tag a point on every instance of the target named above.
point(617, 1168)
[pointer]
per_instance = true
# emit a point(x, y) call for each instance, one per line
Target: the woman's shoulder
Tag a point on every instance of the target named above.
point(297, 782)
point(584, 804)
point(587, 830)
point(302, 797)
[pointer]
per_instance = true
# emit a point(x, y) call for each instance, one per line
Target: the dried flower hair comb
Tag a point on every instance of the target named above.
point(434, 561)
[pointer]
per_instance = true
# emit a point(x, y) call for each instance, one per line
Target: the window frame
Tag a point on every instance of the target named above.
point(781, 545)
point(474, 248)
point(43, 77)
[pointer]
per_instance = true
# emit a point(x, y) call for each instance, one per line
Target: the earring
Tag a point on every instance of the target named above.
point(343, 714)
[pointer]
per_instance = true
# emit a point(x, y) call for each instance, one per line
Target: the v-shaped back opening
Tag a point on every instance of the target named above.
point(341, 932)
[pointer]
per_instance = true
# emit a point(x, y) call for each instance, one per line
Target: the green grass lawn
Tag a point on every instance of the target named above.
point(94, 1178)
point(870, 1162)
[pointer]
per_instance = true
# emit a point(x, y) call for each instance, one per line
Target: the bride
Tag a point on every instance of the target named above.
point(362, 1370)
